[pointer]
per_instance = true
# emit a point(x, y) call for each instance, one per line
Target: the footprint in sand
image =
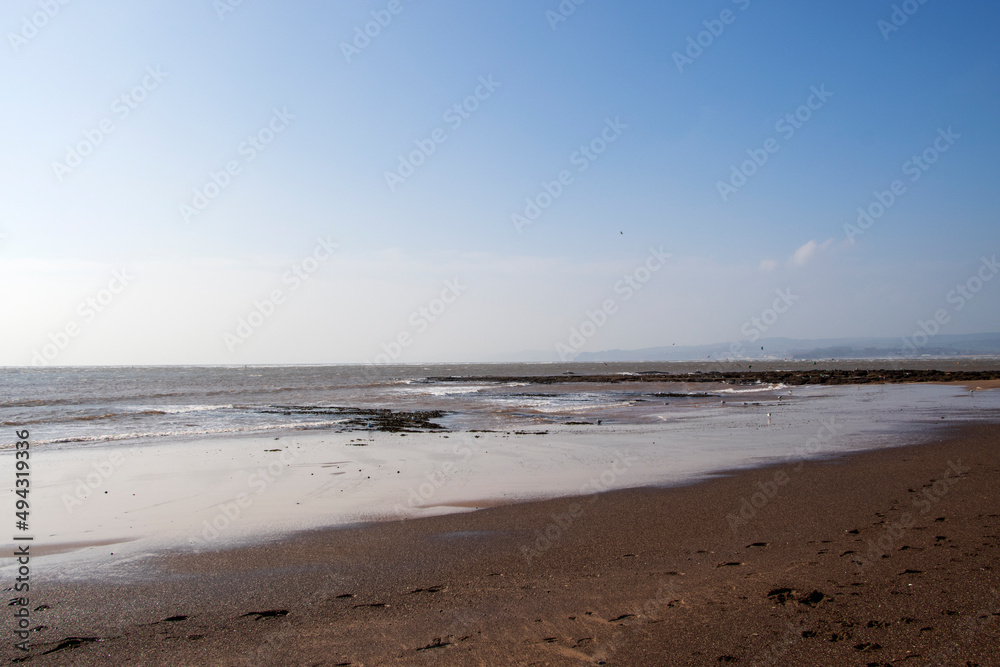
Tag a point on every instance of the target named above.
point(813, 598)
point(781, 595)
point(432, 589)
point(270, 613)
point(621, 618)
point(71, 643)
point(437, 643)
point(867, 647)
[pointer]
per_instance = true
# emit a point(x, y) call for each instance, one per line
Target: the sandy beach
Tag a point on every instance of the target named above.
point(344, 334)
point(877, 557)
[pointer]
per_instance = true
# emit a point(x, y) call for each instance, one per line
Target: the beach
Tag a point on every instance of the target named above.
point(635, 518)
point(500, 333)
point(869, 558)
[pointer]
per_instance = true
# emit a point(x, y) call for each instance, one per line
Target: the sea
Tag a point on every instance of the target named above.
point(76, 406)
point(80, 405)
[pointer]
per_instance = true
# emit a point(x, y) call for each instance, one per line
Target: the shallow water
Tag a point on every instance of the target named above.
point(209, 492)
point(85, 406)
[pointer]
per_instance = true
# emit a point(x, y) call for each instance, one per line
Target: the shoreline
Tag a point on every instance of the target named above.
point(427, 414)
point(476, 504)
point(630, 577)
point(246, 489)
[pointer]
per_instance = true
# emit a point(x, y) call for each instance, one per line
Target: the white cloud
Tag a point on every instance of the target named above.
point(768, 265)
point(802, 256)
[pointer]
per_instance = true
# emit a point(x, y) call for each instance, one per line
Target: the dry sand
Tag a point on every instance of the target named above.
point(883, 557)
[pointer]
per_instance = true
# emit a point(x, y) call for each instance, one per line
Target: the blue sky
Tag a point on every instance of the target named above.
point(553, 88)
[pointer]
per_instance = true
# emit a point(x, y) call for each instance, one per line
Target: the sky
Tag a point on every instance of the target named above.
point(238, 182)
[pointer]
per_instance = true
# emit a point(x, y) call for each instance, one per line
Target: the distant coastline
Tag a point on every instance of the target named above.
point(823, 349)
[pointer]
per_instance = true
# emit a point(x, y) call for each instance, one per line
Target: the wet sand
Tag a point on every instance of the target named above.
point(981, 385)
point(869, 558)
point(211, 493)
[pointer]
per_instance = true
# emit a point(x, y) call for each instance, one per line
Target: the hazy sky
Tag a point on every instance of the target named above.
point(471, 179)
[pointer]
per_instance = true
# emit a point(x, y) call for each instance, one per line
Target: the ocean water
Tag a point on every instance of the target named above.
point(101, 404)
point(154, 458)
point(75, 406)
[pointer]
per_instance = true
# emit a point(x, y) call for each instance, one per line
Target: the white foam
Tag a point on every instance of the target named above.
point(752, 390)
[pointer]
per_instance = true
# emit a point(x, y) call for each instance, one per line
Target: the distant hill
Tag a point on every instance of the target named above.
point(987, 344)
